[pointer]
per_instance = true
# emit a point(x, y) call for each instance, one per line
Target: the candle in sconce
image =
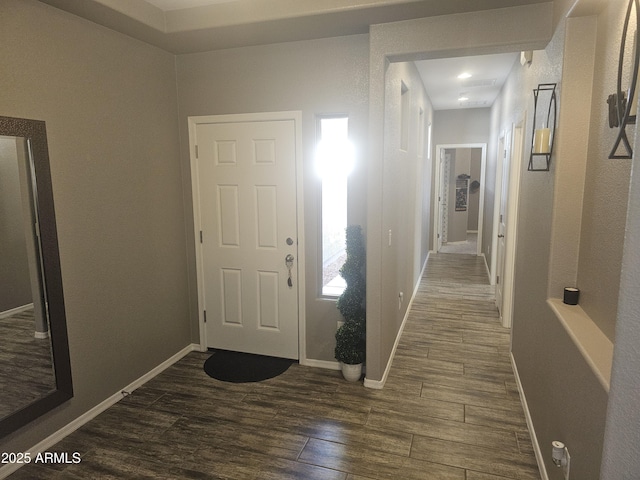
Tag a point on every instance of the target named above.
point(541, 140)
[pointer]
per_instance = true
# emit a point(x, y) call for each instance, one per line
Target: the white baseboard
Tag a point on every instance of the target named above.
point(41, 335)
point(485, 265)
point(15, 311)
point(328, 365)
point(532, 431)
point(72, 426)
point(379, 384)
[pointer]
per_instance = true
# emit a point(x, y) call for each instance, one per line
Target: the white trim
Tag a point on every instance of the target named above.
point(86, 417)
point(326, 364)
point(517, 157)
point(486, 266)
point(436, 189)
point(41, 335)
point(15, 311)
point(379, 384)
point(497, 198)
point(527, 414)
point(296, 116)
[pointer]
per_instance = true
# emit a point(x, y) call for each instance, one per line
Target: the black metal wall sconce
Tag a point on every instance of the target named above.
point(623, 106)
point(544, 128)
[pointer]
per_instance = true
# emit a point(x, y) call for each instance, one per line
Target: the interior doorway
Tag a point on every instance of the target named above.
point(459, 198)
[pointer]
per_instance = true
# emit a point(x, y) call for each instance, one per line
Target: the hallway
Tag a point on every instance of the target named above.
point(450, 409)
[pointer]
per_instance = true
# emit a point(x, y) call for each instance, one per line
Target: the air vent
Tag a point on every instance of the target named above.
point(477, 103)
point(475, 83)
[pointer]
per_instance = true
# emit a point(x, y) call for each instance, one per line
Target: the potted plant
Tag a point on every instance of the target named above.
point(351, 336)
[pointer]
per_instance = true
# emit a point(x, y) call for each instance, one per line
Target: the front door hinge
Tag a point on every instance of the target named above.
point(497, 281)
point(200, 236)
point(197, 151)
point(205, 316)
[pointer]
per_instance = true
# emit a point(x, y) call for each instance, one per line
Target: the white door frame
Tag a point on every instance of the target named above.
point(517, 154)
point(437, 183)
point(296, 116)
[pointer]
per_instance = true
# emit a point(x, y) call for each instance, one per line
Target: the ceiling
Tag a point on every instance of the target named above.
point(487, 75)
point(190, 26)
point(166, 5)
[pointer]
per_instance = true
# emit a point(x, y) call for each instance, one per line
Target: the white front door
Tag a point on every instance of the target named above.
point(246, 211)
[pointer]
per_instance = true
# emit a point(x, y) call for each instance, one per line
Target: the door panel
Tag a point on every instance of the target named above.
point(502, 225)
point(247, 203)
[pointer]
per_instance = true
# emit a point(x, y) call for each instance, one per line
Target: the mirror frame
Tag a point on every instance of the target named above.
point(34, 131)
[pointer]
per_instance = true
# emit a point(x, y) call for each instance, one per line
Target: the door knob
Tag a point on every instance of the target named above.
point(500, 236)
point(288, 260)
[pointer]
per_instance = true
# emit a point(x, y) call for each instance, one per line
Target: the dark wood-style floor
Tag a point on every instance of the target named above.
point(26, 369)
point(450, 410)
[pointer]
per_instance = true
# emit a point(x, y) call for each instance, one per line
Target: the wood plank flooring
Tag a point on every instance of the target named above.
point(26, 369)
point(449, 411)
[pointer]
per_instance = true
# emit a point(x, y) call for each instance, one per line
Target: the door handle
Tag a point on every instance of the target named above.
point(288, 260)
point(500, 236)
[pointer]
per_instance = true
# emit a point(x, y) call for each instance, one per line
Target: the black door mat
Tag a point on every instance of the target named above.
point(237, 367)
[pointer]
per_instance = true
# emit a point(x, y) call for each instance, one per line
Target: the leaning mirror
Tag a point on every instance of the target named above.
point(35, 371)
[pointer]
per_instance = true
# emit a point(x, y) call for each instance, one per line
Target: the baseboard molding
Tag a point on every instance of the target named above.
point(72, 426)
point(486, 266)
point(527, 414)
point(327, 365)
point(379, 384)
point(15, 311)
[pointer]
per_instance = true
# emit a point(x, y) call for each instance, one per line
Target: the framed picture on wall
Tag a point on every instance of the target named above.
point(462, 193)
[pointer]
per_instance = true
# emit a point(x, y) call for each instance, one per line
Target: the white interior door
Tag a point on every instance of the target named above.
point(502, 225)
point(247, 213)
point(441, 199)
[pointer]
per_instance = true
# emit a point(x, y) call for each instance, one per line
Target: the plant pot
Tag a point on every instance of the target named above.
point(351, 373)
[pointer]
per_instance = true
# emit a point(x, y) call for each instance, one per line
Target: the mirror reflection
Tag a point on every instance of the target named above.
point(35, 368)
point(26, 368)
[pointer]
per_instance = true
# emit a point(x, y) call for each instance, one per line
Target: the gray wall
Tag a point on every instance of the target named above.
point(110, 107)
point(317, 77)
point(606, 188)
point(561, 238)
point(470, 125)
point(403, 212)
point(448, 35)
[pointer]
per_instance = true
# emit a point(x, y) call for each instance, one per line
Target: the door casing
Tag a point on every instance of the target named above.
point(437, 193)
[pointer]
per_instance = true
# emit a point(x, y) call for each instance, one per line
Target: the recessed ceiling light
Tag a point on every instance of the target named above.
point(463, 99)
point(464, 75)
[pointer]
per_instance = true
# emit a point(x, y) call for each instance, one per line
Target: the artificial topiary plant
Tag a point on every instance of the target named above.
point(351, 336)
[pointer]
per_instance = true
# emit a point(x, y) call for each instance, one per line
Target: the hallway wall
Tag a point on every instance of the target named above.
point(470, 125)
point(561, 227)
point(406, 171)
point(448, 35)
